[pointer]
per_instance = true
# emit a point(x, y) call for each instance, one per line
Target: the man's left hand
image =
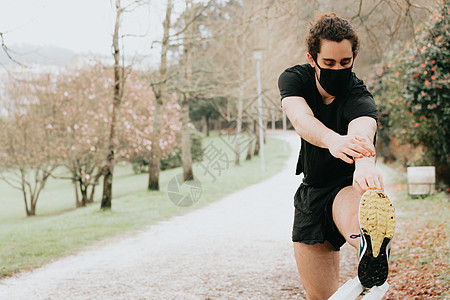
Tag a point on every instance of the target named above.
point(366, 175)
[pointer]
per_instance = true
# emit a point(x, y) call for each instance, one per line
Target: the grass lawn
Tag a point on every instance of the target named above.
point(59, 229)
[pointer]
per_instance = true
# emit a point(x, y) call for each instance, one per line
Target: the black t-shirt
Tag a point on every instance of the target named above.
point(317, 164)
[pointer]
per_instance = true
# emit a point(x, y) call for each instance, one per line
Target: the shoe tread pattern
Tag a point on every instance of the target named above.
point(376, 218)
point(373, 270)
point(377, 221)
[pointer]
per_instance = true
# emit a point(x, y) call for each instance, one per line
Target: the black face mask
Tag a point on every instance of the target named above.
point(334, 82)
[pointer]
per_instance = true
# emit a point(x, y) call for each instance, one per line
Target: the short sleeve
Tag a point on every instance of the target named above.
point(362, 107)
point(290, 84)
point(360, 104)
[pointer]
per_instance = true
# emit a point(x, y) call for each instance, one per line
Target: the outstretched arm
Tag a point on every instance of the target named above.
point(316, 133)
point(366, 174)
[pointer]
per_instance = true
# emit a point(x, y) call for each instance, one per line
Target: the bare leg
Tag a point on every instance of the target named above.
point(345, 213)
point(318, 266)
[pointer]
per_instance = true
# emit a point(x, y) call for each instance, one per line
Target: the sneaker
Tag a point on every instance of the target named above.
point(377, 226)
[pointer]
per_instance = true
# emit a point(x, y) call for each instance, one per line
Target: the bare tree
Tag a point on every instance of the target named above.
point(189, 17)
point(160, 94)
point(119, 80)
point(159, 85)
point(190, 37)
point(238, 28)
point(7, 50)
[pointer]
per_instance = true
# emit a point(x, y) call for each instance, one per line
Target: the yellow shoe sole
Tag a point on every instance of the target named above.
point(376, 218)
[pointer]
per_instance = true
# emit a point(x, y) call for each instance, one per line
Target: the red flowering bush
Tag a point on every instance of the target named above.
point(413, 92)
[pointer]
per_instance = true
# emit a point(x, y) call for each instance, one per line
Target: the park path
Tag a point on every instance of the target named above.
point(238, 247)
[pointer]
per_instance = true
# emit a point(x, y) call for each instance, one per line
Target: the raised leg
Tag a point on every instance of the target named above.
point(345, 214)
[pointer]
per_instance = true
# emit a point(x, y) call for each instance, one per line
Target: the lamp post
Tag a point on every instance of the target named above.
point(257, 55)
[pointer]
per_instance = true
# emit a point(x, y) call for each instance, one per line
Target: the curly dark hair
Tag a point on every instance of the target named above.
point(333, 28)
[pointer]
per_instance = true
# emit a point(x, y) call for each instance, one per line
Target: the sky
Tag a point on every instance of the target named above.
point(82, 26)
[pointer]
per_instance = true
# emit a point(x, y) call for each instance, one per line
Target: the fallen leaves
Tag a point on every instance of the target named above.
point(419, 263)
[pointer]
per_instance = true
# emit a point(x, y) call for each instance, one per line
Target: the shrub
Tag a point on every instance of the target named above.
point(173, 159)
point(414, 96)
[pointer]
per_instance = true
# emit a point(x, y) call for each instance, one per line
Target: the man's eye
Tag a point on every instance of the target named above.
point(345, 63)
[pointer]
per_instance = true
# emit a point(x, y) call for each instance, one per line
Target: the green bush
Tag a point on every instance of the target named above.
point(173, 159)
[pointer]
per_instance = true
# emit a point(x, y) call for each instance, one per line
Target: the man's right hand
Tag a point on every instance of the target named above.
point(347, 146)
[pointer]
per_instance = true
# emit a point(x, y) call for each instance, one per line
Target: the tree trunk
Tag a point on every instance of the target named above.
point(159, 91)
point(264, 133)
point(273, 120)
point(118, 84)
point(33, 192)
point(186, 132)
point(83, 189)
point(91, 196)
point(204, 124)
point(207, 126)
point(155, 152)
point(77, 197)
point(250, 143)
point(96, 181)
point(32, 211)
point(27, 211)
point(256, 132)
point(239, 112)
point(186, 142)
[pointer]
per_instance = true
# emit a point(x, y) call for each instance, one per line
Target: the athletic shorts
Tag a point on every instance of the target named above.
point(313, 219)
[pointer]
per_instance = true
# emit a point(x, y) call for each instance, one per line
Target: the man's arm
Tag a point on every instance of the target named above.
point(316, 133)
point(366, 174)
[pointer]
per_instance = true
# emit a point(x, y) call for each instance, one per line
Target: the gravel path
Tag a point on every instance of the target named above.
point(236, 248)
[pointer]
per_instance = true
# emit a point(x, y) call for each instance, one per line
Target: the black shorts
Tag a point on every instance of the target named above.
point(313, 220)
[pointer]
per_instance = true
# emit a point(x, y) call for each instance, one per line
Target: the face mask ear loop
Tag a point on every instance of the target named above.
point(318, 67)
point(353, 62)
point(315, 61)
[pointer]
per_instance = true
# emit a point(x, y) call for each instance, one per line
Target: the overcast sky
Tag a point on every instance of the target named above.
point(81, 26)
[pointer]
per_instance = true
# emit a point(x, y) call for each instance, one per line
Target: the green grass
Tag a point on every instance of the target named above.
point(59, 229)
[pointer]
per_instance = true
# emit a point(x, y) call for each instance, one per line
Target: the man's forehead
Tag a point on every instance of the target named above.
point(336, 50)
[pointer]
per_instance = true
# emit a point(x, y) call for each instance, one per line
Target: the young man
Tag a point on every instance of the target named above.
point(336, 118)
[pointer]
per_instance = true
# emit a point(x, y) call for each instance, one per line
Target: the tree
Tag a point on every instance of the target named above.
point(136, 126)
point(29, 151)
point(159, 90)
point(188, 86)
point(119, 81)
point(188, 39)
point(83, 95)
point(233, 29)
point(164, 81)
point(427, 89)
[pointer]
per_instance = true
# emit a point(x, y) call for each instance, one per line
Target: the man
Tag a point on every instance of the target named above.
point(335, 116)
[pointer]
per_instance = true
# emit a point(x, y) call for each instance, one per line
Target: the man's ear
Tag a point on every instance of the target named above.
point(311, 60)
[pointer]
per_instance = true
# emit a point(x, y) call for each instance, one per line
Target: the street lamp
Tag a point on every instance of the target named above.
point(257, 55)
